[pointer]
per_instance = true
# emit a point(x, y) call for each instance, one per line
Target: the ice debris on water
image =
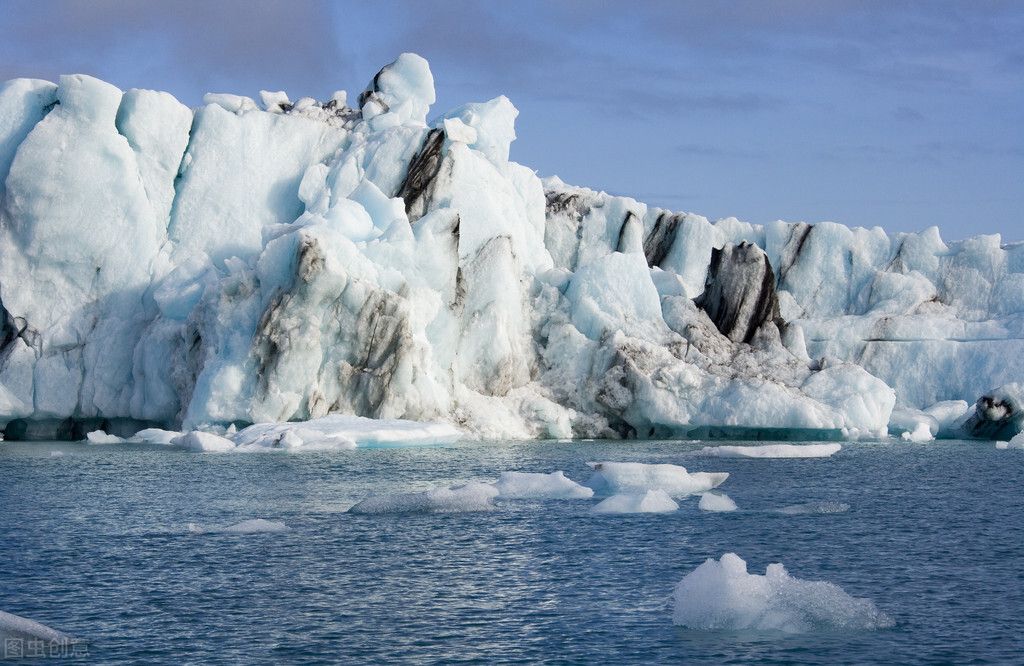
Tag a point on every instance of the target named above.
point(722, 595)
point(612, 478)
point(716, 502)
point(529, 485)
point(100, 437)
point(650, 501)
point(773, 451)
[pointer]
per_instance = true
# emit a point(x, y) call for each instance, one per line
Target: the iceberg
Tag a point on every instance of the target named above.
point(773, 451)
point(100, 437)
point(528, 485)
point(615, 478)
point(721, 595)
point(651, 501)
point(716, 502)
point(17, 628)
point(276, 262)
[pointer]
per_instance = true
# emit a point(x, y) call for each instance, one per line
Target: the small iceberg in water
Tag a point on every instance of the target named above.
point(651, 501)
point(530, 485)
point(721, 595)
point(15, 631)
point(773, 451)
point(716, 502)
point(616, 478)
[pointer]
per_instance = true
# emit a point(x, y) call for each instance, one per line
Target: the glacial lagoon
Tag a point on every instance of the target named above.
point(160, 555)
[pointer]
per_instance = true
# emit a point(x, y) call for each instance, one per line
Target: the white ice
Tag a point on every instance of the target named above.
point(100, 437)
point(921, 433)
point(17, 628)
point(773, 451)
point(457, 499)
point(650, 501)
point(338, 432)
point(530, 485)
point(716, 502)
point(614, 478)
point(277, 263)
point(206, 442)
point(721, 595)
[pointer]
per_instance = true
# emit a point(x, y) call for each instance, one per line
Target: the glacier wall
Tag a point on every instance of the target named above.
point(245, 262)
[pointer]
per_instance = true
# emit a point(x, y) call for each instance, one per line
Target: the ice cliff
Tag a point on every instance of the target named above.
point(248, 262)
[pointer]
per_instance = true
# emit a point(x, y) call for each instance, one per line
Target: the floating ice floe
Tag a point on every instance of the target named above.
point(100, 437)
point(651, 501)
point(615, 478)
point(17, 628)
point(716, 502)
point(814, 508)
point(527, 485)
point(252, 526)
point(340, 431)
point(721, 595)
point(203, 441)
point(457, 499)
point(329, 433)
point(154, 436)
point(773, 451)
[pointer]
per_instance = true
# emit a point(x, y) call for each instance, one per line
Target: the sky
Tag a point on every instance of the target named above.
point(897, 114)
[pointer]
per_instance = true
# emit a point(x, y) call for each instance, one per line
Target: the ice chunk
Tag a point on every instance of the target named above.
point(651, 501)
point(814, 508)
point(527, 485)
point(457, 499)
point(251, 526)
point(612, 478)
point(946, 414)
point(100, 437)
point(404, 88)
point(203, 441)
point(921, 433)
point(337, 431)
point(17, 628)
point(491, 126)
point(773, 451)
point(716, 502)
point(155, 436)
point(721, 595)
point(456, 130)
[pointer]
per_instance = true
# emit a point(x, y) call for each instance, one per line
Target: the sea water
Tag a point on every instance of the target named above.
point(137, 550)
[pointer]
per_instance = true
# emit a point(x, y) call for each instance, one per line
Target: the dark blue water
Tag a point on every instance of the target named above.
point(95, 543)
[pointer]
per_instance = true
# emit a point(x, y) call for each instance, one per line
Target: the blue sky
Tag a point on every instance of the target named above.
point(899, 114)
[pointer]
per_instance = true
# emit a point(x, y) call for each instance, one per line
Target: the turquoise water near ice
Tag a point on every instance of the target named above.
point(95, 542)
